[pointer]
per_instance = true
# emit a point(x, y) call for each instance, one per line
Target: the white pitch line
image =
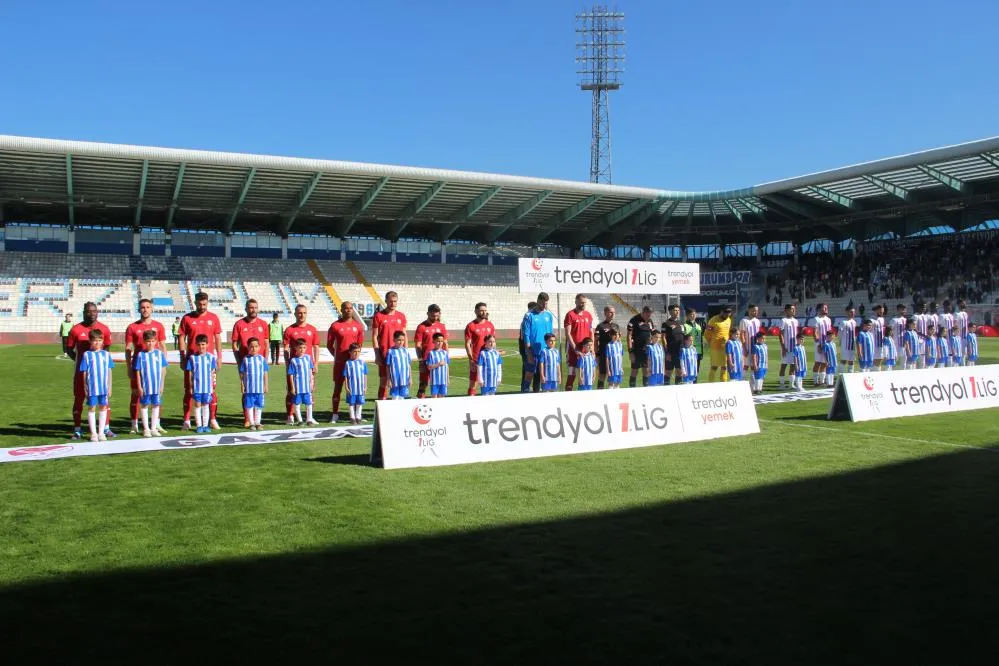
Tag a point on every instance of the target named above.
point(878, 434)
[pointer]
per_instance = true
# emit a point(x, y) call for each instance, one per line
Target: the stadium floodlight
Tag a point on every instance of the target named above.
point(600, 60)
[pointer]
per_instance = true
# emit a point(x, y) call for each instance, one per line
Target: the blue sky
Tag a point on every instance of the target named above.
point(716, 95)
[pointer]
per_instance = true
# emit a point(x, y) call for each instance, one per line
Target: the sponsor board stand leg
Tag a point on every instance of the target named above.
point(839, 408)
point(376, 439)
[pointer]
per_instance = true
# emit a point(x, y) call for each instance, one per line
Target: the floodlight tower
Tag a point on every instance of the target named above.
point(600, 62)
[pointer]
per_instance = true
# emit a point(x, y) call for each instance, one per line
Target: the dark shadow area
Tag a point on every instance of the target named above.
point(361, 460)
point(803, 417)
point(894, 565)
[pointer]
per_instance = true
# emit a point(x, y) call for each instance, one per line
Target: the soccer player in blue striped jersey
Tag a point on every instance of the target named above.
point(971, 345)
point(150, 366)
point(911, 345)
point(943, 348)
point(203, 369)
point(615, 360)
point(956, 347)
point(832, 362)
point(586, 365)
point(438, 363)
point(800, 362)
point(96, 370)
point(759, 363)
point(655, 361)
point(688, 360)
point(550, 365)
point(355, 373)
point(734, 356)
point(301, 370)
point(889, 350)
point(865, 346)
point(930, 347)
point(490, 367)
point(398, 364)
point(253, 379)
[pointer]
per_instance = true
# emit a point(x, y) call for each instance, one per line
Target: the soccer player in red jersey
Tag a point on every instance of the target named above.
point(344, 332)
point(384, 325)
point(78, 342)
point(134, 343)
point(476, 332)
point(424, 341)
point(300, 330)
point(193, 324)
point(250, 326)
point(578, 327)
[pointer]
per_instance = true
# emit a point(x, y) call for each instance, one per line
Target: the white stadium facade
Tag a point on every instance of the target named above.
point(83, 221)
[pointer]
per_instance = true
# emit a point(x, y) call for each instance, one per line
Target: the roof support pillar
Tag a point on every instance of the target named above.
point(413, 209)
point(176, 195)
point(69, 190)
point(359, 206)
point(231, 220)
point(142, 193)
point(509, 218)
point(468, 211)
point(545, 229)
point(950, 181)
point(303, 197)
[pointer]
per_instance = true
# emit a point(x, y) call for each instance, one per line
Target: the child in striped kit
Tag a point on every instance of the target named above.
point(204, 375)
point(930, 347)
point(889, 351)
point(759, 363)
point(253, 379)
point(550, 364)
point(490, 367)
point(971, 345)
point(800, 362)
point(615, 360)
point(438, 362)
point(688, 360)
point(303, 382)
point(832, 361)
point(733, 355)
point(586, 365)
point(150, 374)
point(355, 373)
point(655, 361)
point(398, 364)
point(911, 349)
point(96, 370)
point(956, 347)
point(943, 348)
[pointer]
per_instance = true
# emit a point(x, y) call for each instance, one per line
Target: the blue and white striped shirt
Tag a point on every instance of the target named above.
point(201, 366)
point(865, 346)
point(587, 366)
point(300, 370)
point(734, 350)
point(656, 359)
point(890, 350)
point(355, 371)
point(829, 349)
point(615, 358)
point(551, 361)
point(956, 348)
point(254, 369)
point(438, 376)
point(97, 365)
point(397, 362)
point(800, 357)
point(972, 347)
point(911, 344)
point(149, 365)
point(931, 350)
point(943, 349)
point(688, 361)
point(760, 355)
point(489, 364)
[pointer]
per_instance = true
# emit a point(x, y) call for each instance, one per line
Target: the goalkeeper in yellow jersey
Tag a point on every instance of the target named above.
point(716, 333)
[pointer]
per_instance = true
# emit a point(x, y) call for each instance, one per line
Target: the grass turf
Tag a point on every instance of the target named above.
point(812, 542)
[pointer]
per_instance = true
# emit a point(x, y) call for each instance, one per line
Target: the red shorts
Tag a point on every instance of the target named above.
point(571, 357)
point(79, 391)
point(424, 373)
point(380, 362)
point(133, 381)
point(339, 365)
point(473, 372)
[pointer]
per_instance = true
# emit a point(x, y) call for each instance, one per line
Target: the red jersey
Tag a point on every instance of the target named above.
point(192, 325)
point(388, 324)
point(343, 334)
point(79, 338)
point(579, 325)
point(475, 335)
point(244, 329)
point(305, 332)
point(135, 331)
point(425, 335)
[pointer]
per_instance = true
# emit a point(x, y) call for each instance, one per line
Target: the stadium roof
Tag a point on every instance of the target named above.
point(84, 183)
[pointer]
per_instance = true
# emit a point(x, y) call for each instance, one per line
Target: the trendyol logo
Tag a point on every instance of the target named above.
point(965, 388)
point(422, 414)
point(40, 451)
point(868, 383)
point(424, 437)
point(872, 398)
point(536, 264)
point(601, 277)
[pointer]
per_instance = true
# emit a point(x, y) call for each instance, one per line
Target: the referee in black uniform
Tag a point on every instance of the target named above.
point(640, 329)
point(603, 334)
point(673, 339)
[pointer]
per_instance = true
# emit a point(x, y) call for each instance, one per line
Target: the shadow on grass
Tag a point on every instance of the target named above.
point(804, 417)
point(360, 460)
point(890, 565)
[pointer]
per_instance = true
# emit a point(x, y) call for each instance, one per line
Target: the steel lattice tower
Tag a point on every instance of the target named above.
point(600, 61)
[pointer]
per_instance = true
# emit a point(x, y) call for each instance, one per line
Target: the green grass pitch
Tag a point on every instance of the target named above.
point(812, 542)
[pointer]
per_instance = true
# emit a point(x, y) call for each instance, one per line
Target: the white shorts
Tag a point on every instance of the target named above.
point(878, 353)
point(820, 356)
point(847, 355)
point(920, 346)
point(788, 359)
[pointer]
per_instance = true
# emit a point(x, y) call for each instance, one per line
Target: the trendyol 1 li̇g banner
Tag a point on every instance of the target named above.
point(427, 433)
point(884, 395)
point(596, 276)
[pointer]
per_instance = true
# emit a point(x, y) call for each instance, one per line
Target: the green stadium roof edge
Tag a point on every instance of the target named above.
point(85, 183)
